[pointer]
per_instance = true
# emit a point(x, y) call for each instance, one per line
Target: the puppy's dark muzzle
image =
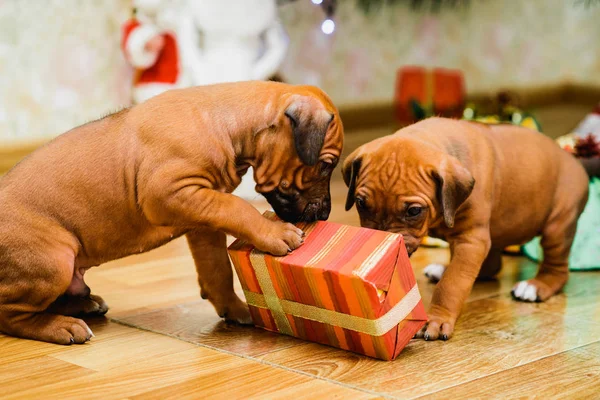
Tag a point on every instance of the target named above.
point(284, 205)
point(287, 207)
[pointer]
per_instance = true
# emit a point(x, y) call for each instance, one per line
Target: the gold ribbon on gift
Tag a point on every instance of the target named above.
point(280, 307)
point(270, 299)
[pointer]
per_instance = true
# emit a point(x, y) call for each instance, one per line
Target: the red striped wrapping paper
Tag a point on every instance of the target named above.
point(347, 287)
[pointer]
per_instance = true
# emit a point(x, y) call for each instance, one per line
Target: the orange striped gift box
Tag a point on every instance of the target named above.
point(346, 287)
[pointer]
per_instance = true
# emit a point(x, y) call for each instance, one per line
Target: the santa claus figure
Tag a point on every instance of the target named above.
point(179, 43)
point(150, 45)
point(241, 40)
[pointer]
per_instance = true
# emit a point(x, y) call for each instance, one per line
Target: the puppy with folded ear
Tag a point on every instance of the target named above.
point(478, 187)
point(165, 168)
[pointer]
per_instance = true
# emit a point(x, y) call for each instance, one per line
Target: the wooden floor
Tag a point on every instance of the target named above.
point(160, 340)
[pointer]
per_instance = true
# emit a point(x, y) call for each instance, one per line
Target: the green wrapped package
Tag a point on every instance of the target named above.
point(585, 252)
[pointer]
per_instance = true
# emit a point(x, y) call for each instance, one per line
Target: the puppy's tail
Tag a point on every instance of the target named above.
point(591, 166)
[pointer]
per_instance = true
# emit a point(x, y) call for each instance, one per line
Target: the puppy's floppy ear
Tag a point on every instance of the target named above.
point(350, 170)
point(310, 122)
point(454, 185)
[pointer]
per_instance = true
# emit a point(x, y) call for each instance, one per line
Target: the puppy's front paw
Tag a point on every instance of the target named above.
point(434, 272)
point(436, 328)
point(281, 239)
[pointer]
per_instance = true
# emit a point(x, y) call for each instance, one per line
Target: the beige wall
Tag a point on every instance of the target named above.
point(60, 62)
point(60, 65)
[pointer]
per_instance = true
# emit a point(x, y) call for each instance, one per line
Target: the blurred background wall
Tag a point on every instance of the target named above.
point(496, 44)
point(61, 65)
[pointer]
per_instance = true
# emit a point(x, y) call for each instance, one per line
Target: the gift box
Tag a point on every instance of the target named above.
point(347, 287)
point(422, 92)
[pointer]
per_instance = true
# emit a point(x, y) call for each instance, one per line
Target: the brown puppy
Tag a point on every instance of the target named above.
point(137, 179)
point(479, 187)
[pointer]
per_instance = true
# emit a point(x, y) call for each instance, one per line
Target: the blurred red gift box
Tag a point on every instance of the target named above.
point(438, 91)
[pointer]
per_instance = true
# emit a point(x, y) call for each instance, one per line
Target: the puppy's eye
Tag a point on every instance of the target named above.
point(360, 203)
point(414, 211)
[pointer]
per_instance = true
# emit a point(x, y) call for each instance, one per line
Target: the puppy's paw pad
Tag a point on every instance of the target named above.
point(434, 272)
point(525, 291)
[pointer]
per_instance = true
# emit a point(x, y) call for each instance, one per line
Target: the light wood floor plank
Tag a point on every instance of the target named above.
point(574, 374)
point(251, 380)
point(36, 372)
point(198, 372)
point(14, 349)
point(117, 346)
point(196, 322)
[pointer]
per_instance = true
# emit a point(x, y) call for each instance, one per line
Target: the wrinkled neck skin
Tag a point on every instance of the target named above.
point(255, 132)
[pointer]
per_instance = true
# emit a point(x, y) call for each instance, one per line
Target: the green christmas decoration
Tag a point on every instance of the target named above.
point(419, 112)
point(506, 113)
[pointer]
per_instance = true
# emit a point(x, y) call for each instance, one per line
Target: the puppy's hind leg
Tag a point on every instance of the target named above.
point(553, 273)
point(26, 291)
point(215, 275)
